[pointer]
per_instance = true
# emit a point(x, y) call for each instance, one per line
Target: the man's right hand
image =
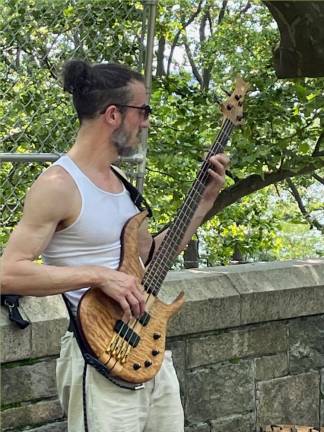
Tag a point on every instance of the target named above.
point(124, 289)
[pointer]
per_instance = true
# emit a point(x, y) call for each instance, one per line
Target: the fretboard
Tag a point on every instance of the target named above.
point(168, 251)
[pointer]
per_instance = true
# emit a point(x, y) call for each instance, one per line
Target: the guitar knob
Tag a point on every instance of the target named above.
point(156, 336)
point(136, 366)
point(147, 363)
point(155, 352)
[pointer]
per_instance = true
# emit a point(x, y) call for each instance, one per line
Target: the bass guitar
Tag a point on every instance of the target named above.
point(133, 351)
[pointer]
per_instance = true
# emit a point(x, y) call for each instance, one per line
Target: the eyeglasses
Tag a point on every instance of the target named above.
point(147, 110)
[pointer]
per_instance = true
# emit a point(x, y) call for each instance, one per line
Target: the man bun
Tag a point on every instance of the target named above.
point(95, 86)
point(76, 76)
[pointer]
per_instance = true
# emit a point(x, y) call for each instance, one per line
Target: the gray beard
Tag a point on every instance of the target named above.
point(120, 141)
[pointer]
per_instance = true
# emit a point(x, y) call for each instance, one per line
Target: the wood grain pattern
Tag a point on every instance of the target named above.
point(290, 428)
point(97, 316)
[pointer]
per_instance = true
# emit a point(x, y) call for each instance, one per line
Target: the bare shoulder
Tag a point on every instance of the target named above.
point(56, 176)
point(51, 194)
point(48, 203)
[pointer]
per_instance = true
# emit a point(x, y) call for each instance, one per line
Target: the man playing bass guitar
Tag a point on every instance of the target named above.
point(73, 216)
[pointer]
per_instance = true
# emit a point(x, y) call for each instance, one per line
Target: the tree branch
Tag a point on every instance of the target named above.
point(176, 38)
point(49, 66)
point(194, 68)
point(206, 72)
point(210, 22)
point(319, 141)
point(312, 222)
point(254, 183)
point(246, 8)
point(318, 178)
point(160, 57)
point(222, 11)
point(298, 199)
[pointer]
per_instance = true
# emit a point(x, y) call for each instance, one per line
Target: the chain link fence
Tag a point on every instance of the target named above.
point(37, 119)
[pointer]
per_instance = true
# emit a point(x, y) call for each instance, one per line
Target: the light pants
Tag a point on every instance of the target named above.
point(156, 408)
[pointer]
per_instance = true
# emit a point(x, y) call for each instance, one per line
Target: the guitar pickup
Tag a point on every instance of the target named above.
point(144, 319)
point(127, 333)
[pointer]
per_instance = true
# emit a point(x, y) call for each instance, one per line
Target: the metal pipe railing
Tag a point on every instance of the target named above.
point(52, 157)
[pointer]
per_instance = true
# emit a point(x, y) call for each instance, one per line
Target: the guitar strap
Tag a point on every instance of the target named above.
point(11, 302)
point(139, 202)
point(134, 193)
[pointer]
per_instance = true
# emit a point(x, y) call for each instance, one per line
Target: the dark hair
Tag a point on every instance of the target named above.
point(94, 87)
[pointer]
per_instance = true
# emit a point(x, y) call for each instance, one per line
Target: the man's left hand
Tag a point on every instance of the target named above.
point(219, 163)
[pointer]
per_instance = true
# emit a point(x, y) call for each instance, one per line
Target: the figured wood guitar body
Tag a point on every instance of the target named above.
point(100, 313)
point(290, 428)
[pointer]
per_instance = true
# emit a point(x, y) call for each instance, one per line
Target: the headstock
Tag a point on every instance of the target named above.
point(232, 108)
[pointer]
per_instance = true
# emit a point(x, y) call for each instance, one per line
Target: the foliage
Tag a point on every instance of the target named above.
point(36, 37)
point(281, 137)
point(201, 47)
point(242, 231)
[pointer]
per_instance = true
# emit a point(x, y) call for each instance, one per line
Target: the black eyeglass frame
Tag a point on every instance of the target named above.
point(146, 108)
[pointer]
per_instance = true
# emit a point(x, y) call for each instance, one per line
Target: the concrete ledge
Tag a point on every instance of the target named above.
point(222, 297)
point(216, 298)
point(48, 318)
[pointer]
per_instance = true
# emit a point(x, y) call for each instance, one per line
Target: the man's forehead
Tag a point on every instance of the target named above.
point(138, 90)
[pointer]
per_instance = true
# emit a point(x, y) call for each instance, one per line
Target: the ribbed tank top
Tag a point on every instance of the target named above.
point(94, 237)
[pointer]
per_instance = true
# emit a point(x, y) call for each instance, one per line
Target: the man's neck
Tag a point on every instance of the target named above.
point(93, 149)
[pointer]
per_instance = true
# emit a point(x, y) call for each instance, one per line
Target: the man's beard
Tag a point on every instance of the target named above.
point(120, 139)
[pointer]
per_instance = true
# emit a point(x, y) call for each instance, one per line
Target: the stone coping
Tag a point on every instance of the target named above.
point(216, 298)
point(231, 296)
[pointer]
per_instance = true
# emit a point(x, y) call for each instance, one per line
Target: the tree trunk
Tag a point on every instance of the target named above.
point(191, 255)
point(160, 58)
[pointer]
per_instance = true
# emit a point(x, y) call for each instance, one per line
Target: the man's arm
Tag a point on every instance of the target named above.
point(47, 204)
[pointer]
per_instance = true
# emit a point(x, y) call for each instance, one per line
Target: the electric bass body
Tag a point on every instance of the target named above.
point(132, 351)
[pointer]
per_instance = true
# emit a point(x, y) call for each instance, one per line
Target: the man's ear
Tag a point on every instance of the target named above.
point(112, 115)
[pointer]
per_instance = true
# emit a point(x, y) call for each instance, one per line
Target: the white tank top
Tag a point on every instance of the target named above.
point(94, 237)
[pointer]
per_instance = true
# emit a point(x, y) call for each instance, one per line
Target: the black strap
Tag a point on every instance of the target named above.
point(134, 193)
point(12, 303)
point(84, 397)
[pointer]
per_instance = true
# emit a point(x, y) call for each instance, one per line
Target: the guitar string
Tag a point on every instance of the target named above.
point(193, 194)
point(201, 179)
point(187, 207)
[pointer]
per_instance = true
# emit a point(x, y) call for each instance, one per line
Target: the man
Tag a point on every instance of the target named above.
point(73, 216)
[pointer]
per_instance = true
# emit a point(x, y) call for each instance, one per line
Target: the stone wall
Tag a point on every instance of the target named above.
point(248, 346)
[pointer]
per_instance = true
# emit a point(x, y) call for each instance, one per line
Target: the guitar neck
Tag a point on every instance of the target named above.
point(168, 251)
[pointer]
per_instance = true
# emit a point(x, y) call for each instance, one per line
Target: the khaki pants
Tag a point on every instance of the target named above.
point(156, 408)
